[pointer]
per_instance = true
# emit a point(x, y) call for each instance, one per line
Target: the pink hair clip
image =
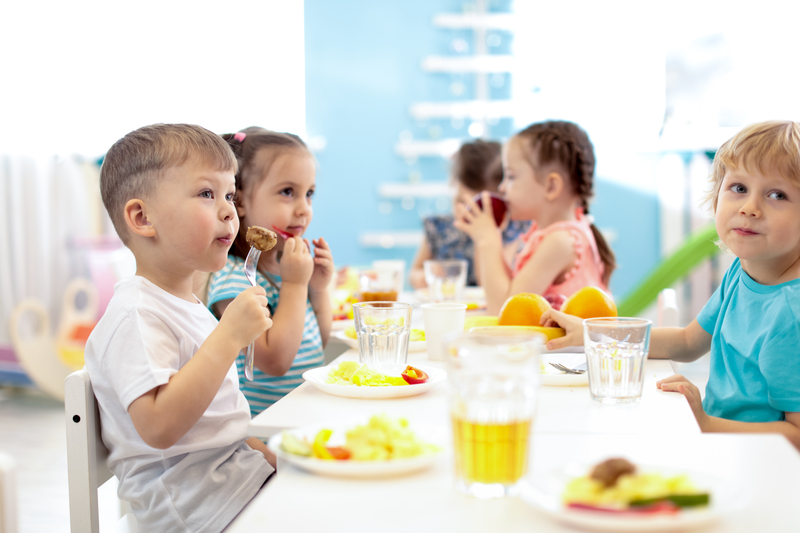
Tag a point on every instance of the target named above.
point(239, 136)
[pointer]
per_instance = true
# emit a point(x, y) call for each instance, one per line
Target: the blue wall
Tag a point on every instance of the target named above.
point(363, 72)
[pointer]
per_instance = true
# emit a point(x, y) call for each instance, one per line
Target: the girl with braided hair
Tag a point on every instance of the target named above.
point(275, 184)
point(548, 179)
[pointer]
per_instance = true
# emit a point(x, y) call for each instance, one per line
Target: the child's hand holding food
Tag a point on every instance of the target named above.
point(246, 317)
point(296, 264)
point(572, 325)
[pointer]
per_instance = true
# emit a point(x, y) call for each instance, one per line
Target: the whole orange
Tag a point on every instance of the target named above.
point(590, 302)
point(523, 309)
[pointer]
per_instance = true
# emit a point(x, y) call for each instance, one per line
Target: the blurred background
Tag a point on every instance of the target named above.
point(384, 93)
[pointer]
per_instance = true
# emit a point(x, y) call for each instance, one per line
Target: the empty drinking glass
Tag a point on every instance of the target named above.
point(446, 278)
point(382, 329)
point(616, 349)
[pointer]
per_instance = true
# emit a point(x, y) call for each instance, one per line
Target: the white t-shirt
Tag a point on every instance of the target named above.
point(199, 484)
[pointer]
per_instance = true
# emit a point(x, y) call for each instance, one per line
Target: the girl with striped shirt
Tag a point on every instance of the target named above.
point(274, 187)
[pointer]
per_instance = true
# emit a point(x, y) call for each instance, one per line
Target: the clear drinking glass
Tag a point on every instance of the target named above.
point(493, 384)
point(616, 349)
point(446, 278)
point(382, 329)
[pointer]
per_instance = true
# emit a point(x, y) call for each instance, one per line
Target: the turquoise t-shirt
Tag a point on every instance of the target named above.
point(755, 348)
point(265, 390)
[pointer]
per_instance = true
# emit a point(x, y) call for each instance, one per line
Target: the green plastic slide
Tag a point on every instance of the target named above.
point(698, 247)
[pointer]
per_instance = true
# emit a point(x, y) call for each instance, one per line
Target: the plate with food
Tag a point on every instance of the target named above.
point(553, 377)
point(618, 495)
point(416, 338)
point(378, 447)
point(355, 380)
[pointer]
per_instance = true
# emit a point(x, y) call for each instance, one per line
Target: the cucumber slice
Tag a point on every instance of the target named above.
point(681, 500)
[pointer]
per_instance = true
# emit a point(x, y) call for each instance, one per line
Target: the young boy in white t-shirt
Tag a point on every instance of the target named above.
point(162, 367)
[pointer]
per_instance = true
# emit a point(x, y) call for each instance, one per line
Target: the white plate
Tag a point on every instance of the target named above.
point(359, 469)
point(545, 495)
point(417, 346)
point(341, 325)
point(552, 377)
point(317, 377)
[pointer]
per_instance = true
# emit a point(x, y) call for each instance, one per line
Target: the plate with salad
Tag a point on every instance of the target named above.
point(617, 495)
point(378, 447)
point(355, 380)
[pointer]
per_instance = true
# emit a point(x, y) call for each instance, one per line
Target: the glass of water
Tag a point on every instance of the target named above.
point(616, 349)
point(446, 278)
point(382, 329)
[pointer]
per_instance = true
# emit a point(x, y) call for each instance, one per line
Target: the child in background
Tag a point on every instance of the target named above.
point(476, 167)
point(161, 366)
point(274, 187)
point(750, 324)
point(548, 178)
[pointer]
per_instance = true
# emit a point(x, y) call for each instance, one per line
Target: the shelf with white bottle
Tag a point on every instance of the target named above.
point(470, 109)
point(477, 64)
point(484, 21)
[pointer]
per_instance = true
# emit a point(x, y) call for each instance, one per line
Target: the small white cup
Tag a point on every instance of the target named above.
point(441, 318)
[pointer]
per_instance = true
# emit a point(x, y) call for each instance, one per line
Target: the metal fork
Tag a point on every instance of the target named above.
point(580, 369)
point(250, 265)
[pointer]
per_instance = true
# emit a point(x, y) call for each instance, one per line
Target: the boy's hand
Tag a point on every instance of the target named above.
point(246, 317)
point(476, 222)
point(323, 266)
point(572, 325)
point(296, 264)
point(678, 383)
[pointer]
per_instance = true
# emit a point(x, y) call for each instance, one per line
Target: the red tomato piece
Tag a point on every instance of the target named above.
point(414, 376)
point(339, 453)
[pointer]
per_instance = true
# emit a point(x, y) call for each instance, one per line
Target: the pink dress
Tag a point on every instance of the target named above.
point(588, 269)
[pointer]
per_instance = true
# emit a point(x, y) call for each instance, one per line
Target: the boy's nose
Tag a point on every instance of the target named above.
point(750, 208)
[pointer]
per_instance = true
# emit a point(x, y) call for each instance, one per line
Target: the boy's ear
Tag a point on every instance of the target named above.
point(553, 185)
point(135, 213)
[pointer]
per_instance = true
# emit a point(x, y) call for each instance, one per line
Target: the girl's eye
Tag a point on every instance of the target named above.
point(207, 194)
point(287, 192)
point(738, 188)
point(777, 195)
point(310, 194)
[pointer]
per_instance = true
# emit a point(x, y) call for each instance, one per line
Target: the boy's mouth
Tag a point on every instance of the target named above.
point(745, 231)
point(226, 239)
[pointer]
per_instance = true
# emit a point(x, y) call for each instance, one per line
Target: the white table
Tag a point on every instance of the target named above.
point(560, 409)
point(765, 465)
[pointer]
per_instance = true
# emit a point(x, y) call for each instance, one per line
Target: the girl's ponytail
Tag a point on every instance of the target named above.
point(568, 145)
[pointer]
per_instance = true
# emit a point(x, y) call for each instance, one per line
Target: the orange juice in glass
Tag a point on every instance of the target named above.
point(493, 388)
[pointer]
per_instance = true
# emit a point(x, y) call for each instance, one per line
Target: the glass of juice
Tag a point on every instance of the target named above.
point(378, 285)
point(493, 388)
point(446, 279)
point(382, 330)
point(616, 349)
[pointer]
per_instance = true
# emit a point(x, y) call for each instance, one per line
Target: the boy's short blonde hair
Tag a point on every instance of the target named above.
point(133, 165)
point(765, 147)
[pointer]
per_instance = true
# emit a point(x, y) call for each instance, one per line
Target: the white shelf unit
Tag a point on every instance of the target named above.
point(433, 189)
point(471, 109)
point(443, 148)
point(390, 239)
point(484, 21)
point(478, 64)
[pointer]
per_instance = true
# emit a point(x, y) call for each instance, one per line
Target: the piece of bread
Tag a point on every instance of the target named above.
point(261, 238)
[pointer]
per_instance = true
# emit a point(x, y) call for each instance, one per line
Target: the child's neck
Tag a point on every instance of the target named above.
point(174, 281)
point(773, 272)
point(562, 213)
point(268, 262)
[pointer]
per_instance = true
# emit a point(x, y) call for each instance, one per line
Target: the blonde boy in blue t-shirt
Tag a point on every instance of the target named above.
point(750, 324)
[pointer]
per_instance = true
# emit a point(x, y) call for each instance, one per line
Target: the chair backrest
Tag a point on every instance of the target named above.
point(86, 453)
point(8, 495)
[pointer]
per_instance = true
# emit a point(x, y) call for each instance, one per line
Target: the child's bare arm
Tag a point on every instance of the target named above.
point(166, 413)
point(417, 276)
point(790, 428)
point(318, 288)
point(680, 344)
point(256, 444)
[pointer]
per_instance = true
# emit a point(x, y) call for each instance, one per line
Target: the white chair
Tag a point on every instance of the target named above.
point(8, 495)
point(86, 458)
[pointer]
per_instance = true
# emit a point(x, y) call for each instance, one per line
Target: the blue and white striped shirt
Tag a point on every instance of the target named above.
point(265, 390)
